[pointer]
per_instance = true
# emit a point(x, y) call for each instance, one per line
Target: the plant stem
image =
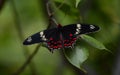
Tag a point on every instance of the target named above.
point(28, 61)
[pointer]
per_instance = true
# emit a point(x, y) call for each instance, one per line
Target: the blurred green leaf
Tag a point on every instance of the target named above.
point(77, 56)
point(95, 43)
point(68, 9)
point(77, 3)
point(64, 7)
point(2, 2)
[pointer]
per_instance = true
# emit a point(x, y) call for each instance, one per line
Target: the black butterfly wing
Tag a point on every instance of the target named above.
point(38, 37)
point(54, 40)
point(86, 28)
point(77, 29)
point(70, 32)
point(68, 35)
point(50, 36)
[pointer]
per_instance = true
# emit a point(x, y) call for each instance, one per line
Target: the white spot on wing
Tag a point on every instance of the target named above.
point(92, 27)
point(29, 39)
point(78, 28)
point(41, 34)
point(78, 25)
point(76, 33)
point(43, 37)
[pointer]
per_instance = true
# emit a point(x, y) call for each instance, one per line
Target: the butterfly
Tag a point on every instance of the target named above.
point(61, 36)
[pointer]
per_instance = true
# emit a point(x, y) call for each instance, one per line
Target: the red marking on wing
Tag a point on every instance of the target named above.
point(51, 38)
point(52, 44)
point(58, 44)
point(70, 35)
point(69, 42)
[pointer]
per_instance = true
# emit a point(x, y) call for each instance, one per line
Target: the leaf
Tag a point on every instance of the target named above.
point(77, 56)
point(94, 42)
point(77, 3)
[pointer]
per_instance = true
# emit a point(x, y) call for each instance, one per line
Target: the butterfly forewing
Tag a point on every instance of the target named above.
point(33, 39)
point(39, 37)
point(86, 28)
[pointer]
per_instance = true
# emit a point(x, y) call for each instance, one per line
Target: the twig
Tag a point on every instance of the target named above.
point(28, 61)
point(50, 13)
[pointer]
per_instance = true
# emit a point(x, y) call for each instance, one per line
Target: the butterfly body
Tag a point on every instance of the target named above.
point(61, 37)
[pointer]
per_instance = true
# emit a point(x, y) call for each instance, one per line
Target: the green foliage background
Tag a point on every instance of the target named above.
point(31, 17)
